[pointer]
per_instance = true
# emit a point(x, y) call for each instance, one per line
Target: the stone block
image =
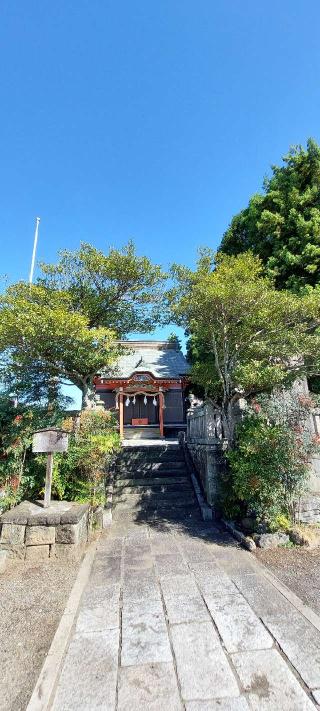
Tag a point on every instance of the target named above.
point(135, 563)
point(307, 536)
point(144, 634)
point(238, 626)
point(17, 550)
point(271, 540)
point(107, 567)
point(238, 704)
point(72, 532)
point(12, 533)
point(89, 675)
point(269, 682)
point(109, 546)
point(97, 595)
point(98, 617)
point(300, 642)
point(62, 551)
point(177, 585)
point(139, 588)
point(185, 609)
point(203, 669)
point(19, 514)
point(97, 519)
point(75, 513)
point(168, 564)
point(40, 535)
point(213, 581)
point(3, 560)
point(263, 597)
point(149, 686)
point(44, 518)
point(316, 695)
point(37, 554)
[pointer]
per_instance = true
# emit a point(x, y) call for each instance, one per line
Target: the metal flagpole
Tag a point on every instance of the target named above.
point(34, 250)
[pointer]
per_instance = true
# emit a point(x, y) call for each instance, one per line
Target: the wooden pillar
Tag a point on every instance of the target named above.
point(161, 412)
point(48, 484)
point(121, 414)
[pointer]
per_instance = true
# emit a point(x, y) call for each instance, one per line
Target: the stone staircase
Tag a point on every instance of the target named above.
point(152, 482)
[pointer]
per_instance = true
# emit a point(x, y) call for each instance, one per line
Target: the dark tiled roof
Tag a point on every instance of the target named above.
point(159, 358)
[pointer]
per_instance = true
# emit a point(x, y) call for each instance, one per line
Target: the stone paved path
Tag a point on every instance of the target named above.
point(176, 616)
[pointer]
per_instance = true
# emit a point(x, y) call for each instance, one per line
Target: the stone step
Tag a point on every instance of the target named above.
point(175, 514)
point(144, 454)
point(150, 474)
point(146, 464)
point(123, 465)
point(136, 433)
point(160, 513)
point(152, 481)
point(153, 489)
point(150, 470)
point(175, 498)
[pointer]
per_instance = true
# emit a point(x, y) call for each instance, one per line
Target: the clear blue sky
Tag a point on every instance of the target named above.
point(147, 120)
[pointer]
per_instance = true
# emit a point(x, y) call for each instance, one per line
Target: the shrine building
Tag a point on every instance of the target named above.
point(147, 389)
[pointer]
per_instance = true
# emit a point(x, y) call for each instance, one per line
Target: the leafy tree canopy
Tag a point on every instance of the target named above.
point(246, 336)
point(40, 331)
point(118, 290)
point(65, 327)
point(282, 225)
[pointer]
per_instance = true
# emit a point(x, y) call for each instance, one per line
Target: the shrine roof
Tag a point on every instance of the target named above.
point(161, 358)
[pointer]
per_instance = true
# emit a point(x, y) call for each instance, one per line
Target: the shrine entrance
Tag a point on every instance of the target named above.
point(140, 408)
point(145, 389)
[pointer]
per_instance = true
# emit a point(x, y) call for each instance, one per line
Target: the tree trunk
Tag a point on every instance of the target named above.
point(228, 419)
point(87, 394)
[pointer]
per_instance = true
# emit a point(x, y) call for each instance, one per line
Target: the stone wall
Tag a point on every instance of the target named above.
point(309, 508)
point(204, 443)
point(31, 532)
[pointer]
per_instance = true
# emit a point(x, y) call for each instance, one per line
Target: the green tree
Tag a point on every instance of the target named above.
point(118, 290)
point(246, 335)
point(65, 328)
point(282, 225)
point(40, 331)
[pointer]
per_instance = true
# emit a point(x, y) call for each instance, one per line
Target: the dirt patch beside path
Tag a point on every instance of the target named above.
point(298, 568)
point(32, 599)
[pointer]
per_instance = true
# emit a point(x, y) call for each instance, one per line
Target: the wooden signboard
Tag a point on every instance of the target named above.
point(49, 440)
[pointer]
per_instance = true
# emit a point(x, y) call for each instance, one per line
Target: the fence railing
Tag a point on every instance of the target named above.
point(315, 420)
point(204, 424)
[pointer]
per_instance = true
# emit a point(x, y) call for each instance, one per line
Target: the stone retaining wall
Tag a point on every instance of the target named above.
point(209, 463)
point(309, 509)
point(205, 446)
point(29, 531)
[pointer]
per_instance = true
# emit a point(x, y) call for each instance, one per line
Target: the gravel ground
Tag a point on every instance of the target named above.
point(32, 599)
point(298, 568)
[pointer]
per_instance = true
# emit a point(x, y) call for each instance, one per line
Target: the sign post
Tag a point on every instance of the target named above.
point(48, 484)
point(49, 440)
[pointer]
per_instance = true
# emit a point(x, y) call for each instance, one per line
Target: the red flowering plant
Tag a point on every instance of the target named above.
point(17, 424)
point(270, 464)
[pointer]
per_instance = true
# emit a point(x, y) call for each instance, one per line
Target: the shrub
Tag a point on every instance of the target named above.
point(270, 463)
point(81, 471)
point(18, 473)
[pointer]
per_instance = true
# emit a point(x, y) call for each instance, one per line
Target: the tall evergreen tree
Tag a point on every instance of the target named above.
point(282, 225)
